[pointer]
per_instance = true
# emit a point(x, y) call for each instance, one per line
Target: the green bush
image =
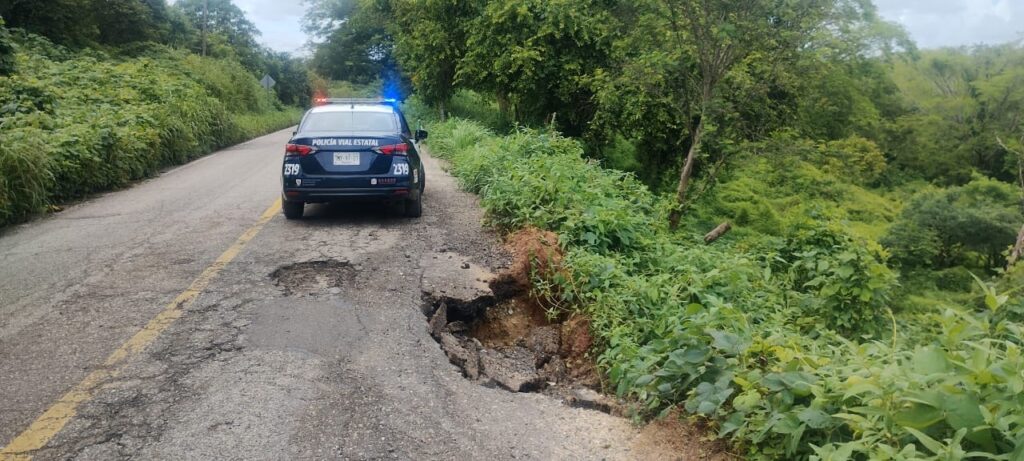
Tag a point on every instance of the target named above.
point(777, 186)
point(748, 333)
point(849, 281)
point(971, 225)
point(471, 105)
point(78, 123)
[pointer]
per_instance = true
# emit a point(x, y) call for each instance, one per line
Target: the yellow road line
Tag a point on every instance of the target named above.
point(47, 425)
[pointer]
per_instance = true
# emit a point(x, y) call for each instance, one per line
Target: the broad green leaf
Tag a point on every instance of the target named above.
point(815, 418)
point(861, 388)
point(929, 361)
point(728, 342)
point(931, 444)
point(788, 424)
point(747, 401)
point(644, 380)
point(918, 416)
point(963, 411)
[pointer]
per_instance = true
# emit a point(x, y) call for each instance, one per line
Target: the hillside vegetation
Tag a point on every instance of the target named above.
point(106, 105)
point(867, 303)
point(795, 346)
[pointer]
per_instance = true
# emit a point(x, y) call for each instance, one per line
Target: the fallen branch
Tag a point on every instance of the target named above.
point(718, 232)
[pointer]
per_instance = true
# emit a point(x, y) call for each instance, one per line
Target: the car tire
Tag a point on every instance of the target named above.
point(414, 207)
point(293, 210)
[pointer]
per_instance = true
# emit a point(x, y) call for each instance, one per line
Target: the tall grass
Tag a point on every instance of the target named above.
point(72, 124)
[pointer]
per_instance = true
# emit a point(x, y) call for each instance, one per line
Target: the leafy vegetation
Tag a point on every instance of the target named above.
point(943, 228)
point(867, 304)
point(749, 334)
point(126, 27)
point(859, 310)
point(6, 51)
point(355, 44)
point(93, 117)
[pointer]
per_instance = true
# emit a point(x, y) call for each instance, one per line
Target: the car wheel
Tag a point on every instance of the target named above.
point(293, 210)
point(414, 207)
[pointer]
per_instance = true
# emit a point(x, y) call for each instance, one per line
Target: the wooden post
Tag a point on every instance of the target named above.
point(718, 232)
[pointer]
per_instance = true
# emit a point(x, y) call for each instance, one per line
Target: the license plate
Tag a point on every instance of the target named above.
point(346, 158)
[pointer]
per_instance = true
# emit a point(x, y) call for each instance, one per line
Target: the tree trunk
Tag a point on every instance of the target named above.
point(444, 111)
point(684, 176)
point(504, 106)
point(1018, 250)
point(718, 232)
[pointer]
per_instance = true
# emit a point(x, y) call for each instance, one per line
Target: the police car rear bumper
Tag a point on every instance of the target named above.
point(349, 194)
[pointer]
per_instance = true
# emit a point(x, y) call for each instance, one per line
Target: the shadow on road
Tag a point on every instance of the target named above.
point(326, 214)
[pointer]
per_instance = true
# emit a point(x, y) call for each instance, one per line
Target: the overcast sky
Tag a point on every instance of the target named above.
point(937, 23)
point(279, 21)
point(932, 23)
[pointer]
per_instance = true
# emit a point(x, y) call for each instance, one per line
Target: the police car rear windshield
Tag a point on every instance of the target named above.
point(350, 121)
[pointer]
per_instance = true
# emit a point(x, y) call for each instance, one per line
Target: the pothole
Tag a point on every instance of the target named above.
point(314, 277)
point(507, 341)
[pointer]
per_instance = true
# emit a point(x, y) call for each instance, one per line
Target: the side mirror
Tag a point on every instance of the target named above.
point(421, 135)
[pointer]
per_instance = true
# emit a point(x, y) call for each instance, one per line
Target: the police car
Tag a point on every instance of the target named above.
point(353, 149)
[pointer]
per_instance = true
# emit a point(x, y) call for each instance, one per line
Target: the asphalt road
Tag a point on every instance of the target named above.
point(308, 344)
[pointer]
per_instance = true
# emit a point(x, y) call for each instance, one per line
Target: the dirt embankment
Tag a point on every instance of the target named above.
point(510, 339)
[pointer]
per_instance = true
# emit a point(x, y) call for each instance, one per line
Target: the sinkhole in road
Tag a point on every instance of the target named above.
point(312, 278)
point(505, 340)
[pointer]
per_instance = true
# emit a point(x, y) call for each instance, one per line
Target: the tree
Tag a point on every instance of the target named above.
point(225, 20)
point(6, 51)
point(356, 47)
point(181, 33)
point(533, 56)
point(719, 34)
point(959, 102)
point(59, 20)
point(81, 23)
point(130, 21)
point(971, 224)
point(293, 84)
point(430, 42)
point(819, 74)
point(323, 17)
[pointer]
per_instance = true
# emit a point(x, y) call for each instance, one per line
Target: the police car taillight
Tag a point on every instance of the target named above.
point(393, 149)
point(292, 150)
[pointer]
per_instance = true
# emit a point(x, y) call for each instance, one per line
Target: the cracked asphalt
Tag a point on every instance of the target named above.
point(301, 363)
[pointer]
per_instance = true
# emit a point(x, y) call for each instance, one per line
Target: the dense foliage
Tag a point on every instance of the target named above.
point(943, 228)
point(79, 23)
point(747, 333)
point(6, 51)
point(671, 90)
point(861, 308)
point(355, 44)
point(74, 121)
point(221, 30)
